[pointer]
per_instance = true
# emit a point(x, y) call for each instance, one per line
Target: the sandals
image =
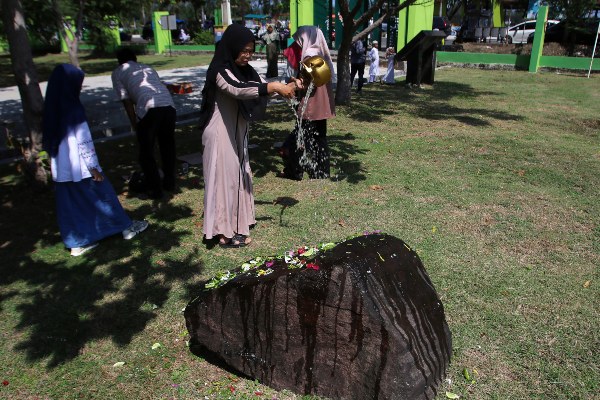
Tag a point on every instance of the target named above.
point(236, 241)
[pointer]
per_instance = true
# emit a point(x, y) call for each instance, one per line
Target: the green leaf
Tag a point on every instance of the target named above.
point(327, 246)
point(246, 267)
point(466, 374)
point(309, 252)
point(451, 395)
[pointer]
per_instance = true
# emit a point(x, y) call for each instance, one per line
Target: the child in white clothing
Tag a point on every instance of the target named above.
point(374, 57)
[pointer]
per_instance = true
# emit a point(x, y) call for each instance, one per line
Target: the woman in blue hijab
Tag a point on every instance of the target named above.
point(87, 207)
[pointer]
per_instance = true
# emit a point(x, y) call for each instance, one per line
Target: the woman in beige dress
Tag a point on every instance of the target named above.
point(233, 96)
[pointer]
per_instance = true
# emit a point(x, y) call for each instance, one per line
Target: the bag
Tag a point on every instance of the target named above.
point(399, 65)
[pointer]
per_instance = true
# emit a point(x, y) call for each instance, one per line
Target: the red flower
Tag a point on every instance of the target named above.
point(5, 383)
point(231, 389)
point(301, 250)
point(312, 266)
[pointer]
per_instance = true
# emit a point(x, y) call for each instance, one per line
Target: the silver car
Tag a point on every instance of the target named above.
point(520, 32)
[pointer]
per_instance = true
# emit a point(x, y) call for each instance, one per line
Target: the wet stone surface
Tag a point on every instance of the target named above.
point(366, 324)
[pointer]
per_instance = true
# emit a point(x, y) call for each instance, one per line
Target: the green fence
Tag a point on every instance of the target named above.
point(531, 63)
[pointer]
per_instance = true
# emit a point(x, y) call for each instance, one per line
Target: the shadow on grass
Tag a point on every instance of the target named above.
point(62, 303)
point(435, 103)
point(265, 158)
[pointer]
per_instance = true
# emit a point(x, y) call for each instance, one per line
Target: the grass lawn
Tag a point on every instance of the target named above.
point(492, 176)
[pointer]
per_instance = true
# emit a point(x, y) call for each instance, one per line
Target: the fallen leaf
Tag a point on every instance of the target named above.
point(376, 187)
point(156, 346)
point(119, 364)
point(587, 284)
point(521, 172)
point(466, 374)
point(161, 263)
point(341, 222)
point(434, 229)
point(451, 395)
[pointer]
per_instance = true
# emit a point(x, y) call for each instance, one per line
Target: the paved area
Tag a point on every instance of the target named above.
point(105, 113)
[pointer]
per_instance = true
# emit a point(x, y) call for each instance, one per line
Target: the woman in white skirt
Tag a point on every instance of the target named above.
point(87, 207)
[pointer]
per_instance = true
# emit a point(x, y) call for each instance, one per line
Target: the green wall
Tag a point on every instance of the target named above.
point(302, 12)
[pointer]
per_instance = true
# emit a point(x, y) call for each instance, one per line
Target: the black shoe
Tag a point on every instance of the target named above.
point(288, 176)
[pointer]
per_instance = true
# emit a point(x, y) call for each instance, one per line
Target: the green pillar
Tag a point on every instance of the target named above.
point(538, 39)
point(302, 12)
point(414, 19)
point(218, 17)
point(111, 29)
point(498, 14)
point(162, 38)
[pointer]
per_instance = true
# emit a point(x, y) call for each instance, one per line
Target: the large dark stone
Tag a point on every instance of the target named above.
point(367, 324)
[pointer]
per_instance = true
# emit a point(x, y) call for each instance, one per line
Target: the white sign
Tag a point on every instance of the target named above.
point(168, 22)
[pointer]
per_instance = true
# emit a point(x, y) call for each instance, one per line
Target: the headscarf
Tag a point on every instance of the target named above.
point(293, 54)
point(63, 110)
point(227, 50)
point(313, 43)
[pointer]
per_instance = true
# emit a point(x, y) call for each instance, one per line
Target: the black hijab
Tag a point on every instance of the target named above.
point(227, 50)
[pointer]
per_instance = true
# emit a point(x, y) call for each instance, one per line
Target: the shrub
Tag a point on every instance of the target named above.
point(204, 37)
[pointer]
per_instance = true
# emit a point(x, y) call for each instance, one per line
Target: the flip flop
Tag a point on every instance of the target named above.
point(236, 241)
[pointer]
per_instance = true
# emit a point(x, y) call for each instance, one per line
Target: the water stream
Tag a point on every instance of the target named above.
point(305, 159)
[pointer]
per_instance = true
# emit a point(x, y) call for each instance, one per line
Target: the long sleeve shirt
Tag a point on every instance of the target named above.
point(76, 156)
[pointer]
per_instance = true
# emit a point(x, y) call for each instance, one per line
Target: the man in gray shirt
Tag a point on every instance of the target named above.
point(357, 63)
point(152, 114)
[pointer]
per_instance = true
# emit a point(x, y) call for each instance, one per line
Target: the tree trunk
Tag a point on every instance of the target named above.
point(72, 47)
point(29, 89)
point(70, 31)
point(343, 92)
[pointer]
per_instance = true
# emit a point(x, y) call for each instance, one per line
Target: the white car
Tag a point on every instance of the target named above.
point(520, 32)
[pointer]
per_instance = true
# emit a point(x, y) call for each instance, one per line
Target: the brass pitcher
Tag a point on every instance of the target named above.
point(315, 69)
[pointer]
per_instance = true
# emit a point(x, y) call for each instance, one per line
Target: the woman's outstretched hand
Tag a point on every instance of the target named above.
point(288, 91)
point(298, 84)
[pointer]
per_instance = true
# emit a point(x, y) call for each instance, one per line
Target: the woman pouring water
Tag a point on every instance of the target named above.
point(233, 95)
point(306, 147)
